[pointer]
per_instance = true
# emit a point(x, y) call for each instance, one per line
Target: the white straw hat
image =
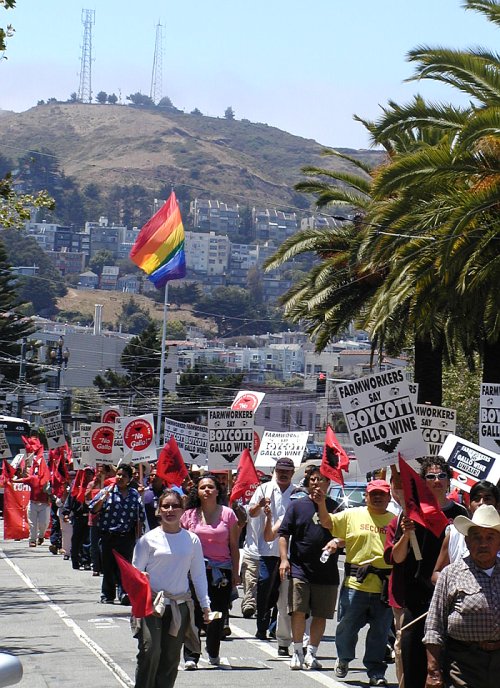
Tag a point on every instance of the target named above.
point(485, 516)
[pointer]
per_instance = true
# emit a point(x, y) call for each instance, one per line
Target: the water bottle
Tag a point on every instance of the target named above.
point(325, 555)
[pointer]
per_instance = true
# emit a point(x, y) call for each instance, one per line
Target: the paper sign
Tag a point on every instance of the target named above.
point(138, 438)
point(109, 414)
point(52, 424)
point(381, 420)
point(277, 445)
point(101, 442)
point(436, 423)
point(470, 462)
point(229, 432)
point(489, 417)
point(247, 401)
point(5, 451)
point(191, 439)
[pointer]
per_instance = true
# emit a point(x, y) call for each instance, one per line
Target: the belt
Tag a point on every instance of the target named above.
point(484, 645)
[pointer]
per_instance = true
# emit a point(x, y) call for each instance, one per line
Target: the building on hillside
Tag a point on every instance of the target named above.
point(109, 277)
point(274, 225)
point(318, 222)
point(68, 262)
point(215, 216)
point(50, 236)
point(287, 410)
point(88, 280)
point(129, 283)
point(207, 253)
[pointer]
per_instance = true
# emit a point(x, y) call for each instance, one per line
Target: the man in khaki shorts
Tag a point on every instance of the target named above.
point(313, 584)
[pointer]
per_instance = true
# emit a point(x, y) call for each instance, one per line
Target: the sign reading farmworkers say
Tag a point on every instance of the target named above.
point(5, 452)
point(489, 417)
point(229, 432)
point(436, 423)
point(191, 439)
point(278, 445)
point(470, 462)
point(101, 442)
point(109, 414)
point(76, 450)
point(138, 438)
point(247, 401)
point(85, 444)
point(381, 420)
point(52, 423)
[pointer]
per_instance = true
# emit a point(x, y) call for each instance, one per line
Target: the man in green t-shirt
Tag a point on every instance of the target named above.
point(366, 574)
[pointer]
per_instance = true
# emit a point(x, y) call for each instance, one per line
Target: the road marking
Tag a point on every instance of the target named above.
point(317, 676)
point(122, 678)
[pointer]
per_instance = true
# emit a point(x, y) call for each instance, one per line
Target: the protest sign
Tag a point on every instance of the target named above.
point(5, 452)
point(138, 438)
point(436, 423)
point(76, 450)
point(229, 432)
point(381, 419)
point(109, 414)
point(470, 462)
point(413, 387)
point(101, 443)
point(85, 445)
point(191, 439)
point(52, 424)
point(277, 445)
point(247, 401)
point(489, 417)
point(15, 511)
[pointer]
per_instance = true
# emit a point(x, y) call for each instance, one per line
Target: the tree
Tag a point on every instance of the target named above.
point(112, 99)
point(102, 97)
point(9, 30)
point(14, 325)
point(229, 113)
point(73, 97)
point(100, 259)
point(133, 318)
point(196, 112)
point(140, 99)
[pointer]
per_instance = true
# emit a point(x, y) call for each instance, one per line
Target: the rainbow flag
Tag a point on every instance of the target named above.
point(159, 248)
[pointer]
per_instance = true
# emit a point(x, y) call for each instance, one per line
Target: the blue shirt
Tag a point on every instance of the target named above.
point(119, 514)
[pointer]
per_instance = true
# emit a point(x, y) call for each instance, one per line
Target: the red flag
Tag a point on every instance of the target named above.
point(334, 458)
point(40, 469)
point(247, 479)
point(171, 466)
point(136, 585)
point(420, 504)
point(33, 445)
point(8, 472)
point(80, 483)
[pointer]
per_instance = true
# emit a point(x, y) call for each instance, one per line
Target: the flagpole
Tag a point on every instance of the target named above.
point(162, 366)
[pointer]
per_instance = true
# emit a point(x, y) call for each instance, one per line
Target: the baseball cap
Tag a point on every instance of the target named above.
point(285, 464)
point(380, 485)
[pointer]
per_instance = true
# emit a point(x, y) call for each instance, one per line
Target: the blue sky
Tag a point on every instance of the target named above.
point(303, 67)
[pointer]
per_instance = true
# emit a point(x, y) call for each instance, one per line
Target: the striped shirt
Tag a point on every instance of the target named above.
point(465, 605)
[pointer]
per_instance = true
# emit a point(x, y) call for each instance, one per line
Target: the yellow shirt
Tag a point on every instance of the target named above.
point(364, 535)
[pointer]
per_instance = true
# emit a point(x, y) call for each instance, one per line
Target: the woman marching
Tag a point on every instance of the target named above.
point(217, 528)
point(168, 554)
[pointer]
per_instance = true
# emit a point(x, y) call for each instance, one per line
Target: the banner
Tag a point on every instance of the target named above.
point(229, 433)
point(278, 445)
point(138, 438)
point(470, 462)
point(381, 419)
point(489, 417)
point(101, 443)
point(191, 439)
point(436, 423)
point(247, 401)
point(52, 424)
point(16, 500)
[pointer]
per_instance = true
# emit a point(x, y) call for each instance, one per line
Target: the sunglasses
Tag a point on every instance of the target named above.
point(436, 476)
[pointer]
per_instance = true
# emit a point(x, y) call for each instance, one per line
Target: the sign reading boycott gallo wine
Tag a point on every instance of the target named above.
point(381, 420)
point(229, 432)
point(470, 462)
point(138, 438)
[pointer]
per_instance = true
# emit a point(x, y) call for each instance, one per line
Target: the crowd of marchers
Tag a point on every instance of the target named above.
point(431, 601)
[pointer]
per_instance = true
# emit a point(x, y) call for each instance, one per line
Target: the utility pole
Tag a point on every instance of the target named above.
point(22, 377)
point(85, 87)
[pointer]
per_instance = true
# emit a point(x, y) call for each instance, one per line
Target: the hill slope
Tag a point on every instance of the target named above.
point(235, 161)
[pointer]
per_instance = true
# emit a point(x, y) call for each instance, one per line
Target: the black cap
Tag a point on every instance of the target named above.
point(285, 464)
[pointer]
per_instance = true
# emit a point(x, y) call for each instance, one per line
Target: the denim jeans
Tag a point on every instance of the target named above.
point(356, 609)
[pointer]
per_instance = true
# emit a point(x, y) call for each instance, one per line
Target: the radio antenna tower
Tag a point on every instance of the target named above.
point(85, 87)
point(156, 91)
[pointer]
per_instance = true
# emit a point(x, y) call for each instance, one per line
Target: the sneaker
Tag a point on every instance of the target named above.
point(377, 681)
point(53, 549)
point(32, 544)
point(297, 662)
point(341, 668)
point(261, 635)
point(311, 662)
point(124, 600)
point(226, 631)
point(40, 541)
point(214, 661)
point(248, 613)
point(190, 665)
point(283, 651)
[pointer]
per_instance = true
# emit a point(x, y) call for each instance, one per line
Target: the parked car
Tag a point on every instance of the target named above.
point(312, 452)
point(349, 495)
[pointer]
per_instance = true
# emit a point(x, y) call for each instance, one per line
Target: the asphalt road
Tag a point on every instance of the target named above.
point(52, 621)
